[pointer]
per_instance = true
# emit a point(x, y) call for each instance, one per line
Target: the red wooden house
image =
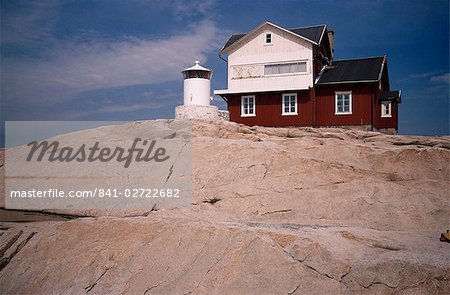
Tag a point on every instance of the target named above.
point(288, 77)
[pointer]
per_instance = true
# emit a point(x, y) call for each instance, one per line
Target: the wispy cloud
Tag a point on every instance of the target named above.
point(182, 8)
point(129, 102)
point(71, 67)
point(147, 100)
point(33, 24)
point(445, 78)
point(418, 76)
point(129, 108)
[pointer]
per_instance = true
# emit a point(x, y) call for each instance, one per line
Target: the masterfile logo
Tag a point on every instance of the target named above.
point(137, 165)
point(98, 153)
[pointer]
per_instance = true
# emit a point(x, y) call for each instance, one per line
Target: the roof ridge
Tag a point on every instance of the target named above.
point(296, 28)
point(359, 58)
point(306, 27)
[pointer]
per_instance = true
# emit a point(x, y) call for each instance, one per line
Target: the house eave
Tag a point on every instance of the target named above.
point(347, 82)
point(221, 92)
point(323, 32)
point(382, 68)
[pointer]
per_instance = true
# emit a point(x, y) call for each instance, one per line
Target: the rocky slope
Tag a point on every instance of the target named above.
point(275, 211)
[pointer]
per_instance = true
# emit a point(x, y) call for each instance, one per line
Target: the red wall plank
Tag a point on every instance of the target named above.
point(361, 105)
point(268, 110)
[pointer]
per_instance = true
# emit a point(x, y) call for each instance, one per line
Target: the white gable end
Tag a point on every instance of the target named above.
point(284, 63)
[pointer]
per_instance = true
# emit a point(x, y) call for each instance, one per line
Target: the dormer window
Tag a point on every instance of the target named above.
point(268, 38)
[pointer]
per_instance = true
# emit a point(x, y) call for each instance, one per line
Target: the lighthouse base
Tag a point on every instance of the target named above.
point(201, 112)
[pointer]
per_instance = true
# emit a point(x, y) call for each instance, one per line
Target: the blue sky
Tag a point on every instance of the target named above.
point(121, 60)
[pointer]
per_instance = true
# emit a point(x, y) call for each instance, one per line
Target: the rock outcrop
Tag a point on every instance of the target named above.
point(275, 211)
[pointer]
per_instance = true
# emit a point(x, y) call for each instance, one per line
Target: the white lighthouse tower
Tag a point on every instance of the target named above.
point(197, 85)
point(196, 96)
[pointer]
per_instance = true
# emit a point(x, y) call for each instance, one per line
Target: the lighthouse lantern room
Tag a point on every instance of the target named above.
point(197, 85)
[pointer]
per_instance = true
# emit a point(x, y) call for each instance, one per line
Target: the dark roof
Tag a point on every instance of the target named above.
point(312, 33)
point(233, 39)
point(390, 95)
point(352, 70)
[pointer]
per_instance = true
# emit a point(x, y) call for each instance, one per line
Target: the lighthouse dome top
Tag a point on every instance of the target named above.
point(197, 67)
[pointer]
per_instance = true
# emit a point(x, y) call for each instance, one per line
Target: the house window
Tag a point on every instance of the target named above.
point(289, 104)
point(343, 102)
point(248, 106)
point(278, 69)
point(386, 109)
point(268, 38)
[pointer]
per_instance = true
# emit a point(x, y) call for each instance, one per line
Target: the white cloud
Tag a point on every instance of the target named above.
point(70, 67)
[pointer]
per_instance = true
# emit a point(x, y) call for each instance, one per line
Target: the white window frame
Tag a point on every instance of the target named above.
point(336, 102)
point(288, 96)
point(242, 106)
point(383, 109)
point(265, 38)
point(287, 64)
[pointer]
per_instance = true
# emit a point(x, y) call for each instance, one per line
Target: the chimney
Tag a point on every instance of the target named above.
point(330, 34)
